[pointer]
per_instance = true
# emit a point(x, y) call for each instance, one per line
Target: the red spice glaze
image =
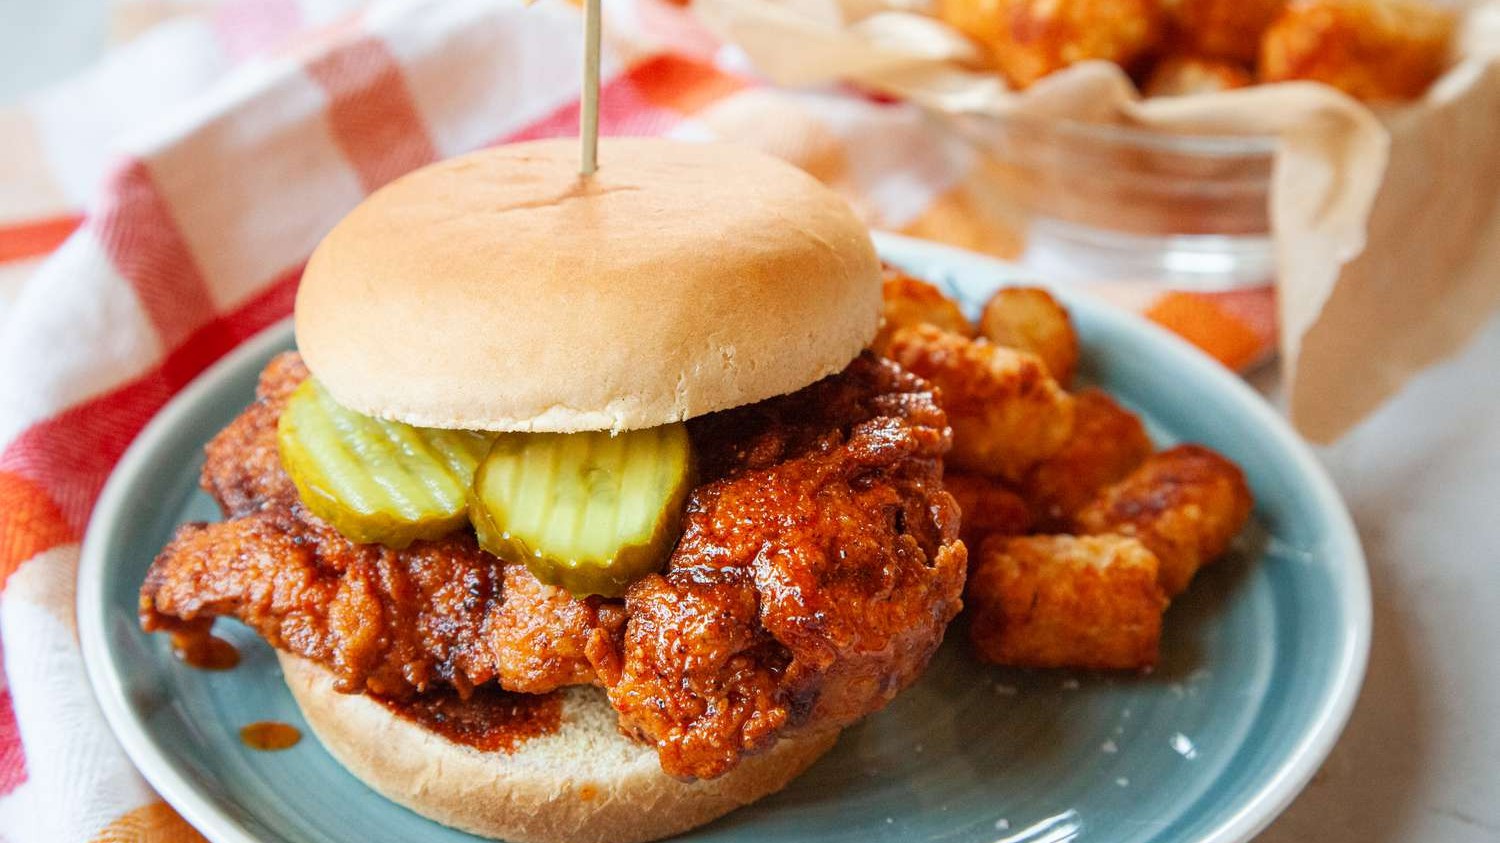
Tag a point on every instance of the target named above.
point(490, 720)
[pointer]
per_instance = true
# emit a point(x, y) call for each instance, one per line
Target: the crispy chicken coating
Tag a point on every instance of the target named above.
point(910, 302)
point(1007, 413)
point(1028, 39)
point(1030, 319)
point(989, 508)
point(1181, 75)
point(1229, 30)
point(390, 622)
point(242, 464)
point(1185, 504)
point(1373, 50)
point(817, 570)
point(1108, 442)
point(1066, 601)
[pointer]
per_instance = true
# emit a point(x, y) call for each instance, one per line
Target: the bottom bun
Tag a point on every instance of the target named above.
point(583, 783)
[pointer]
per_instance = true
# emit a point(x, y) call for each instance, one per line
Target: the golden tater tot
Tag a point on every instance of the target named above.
point(1030, 319)
point(1028, 39)
point(988, 507)
point(981, 20)
point(1373, 50)
point(910, 302)
point(1222, 29)
point(1065, 601)
point(1186, 504)
point(1006, 412)
point(1108, 442)
point(1183, 75)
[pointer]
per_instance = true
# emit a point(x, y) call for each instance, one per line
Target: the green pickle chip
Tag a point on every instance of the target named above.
point(590, 512)
point(376, 481)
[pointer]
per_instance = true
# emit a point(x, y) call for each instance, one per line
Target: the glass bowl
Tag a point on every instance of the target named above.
point(1112, 202)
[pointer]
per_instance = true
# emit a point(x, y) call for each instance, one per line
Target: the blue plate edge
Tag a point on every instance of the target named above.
point(148, 758)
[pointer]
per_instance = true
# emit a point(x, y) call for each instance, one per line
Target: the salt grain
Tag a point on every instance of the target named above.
point(1002, 824)
point(1183, 745)
point(1122, 782)
point(1109, 748)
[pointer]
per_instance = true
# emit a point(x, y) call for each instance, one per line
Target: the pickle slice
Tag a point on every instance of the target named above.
point(589, 512)
point(376, 481)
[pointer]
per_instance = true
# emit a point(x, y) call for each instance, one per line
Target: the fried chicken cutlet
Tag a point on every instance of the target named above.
point(816, 573)
point(814, 578)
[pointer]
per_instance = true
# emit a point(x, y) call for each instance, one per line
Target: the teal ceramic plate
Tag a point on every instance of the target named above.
point(1262, 659)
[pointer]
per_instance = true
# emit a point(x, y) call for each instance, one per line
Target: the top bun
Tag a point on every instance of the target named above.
point(499, 291)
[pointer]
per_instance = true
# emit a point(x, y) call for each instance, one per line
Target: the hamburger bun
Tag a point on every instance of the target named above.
point(499, 291)
point(585, 783)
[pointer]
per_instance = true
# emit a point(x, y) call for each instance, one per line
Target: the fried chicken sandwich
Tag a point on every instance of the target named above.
point(582, 511)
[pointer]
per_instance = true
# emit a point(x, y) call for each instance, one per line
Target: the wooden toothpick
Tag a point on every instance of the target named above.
point(588, 128)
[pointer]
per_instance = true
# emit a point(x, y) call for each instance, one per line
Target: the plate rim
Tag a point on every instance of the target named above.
point(1291, 774)
point(108, 689)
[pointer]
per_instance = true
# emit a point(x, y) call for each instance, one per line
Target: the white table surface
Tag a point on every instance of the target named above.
point(1420, 760)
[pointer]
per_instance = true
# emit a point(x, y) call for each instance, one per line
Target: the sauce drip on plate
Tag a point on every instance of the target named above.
point(490, 720)
point(205, 652)
point(270, 736)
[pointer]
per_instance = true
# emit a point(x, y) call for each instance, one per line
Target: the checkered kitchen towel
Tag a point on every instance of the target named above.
point(157, 210)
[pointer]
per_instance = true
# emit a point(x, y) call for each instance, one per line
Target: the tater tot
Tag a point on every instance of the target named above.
point(1028, 39)
point(1373, 50)
point(1065, 601)
point(1006, 412)
point(1222, 29)
point(1108, 442)
point(1030, 319)
point(1186, 504)
point(989, 508)
point(1183, 75)
point(910, 302)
